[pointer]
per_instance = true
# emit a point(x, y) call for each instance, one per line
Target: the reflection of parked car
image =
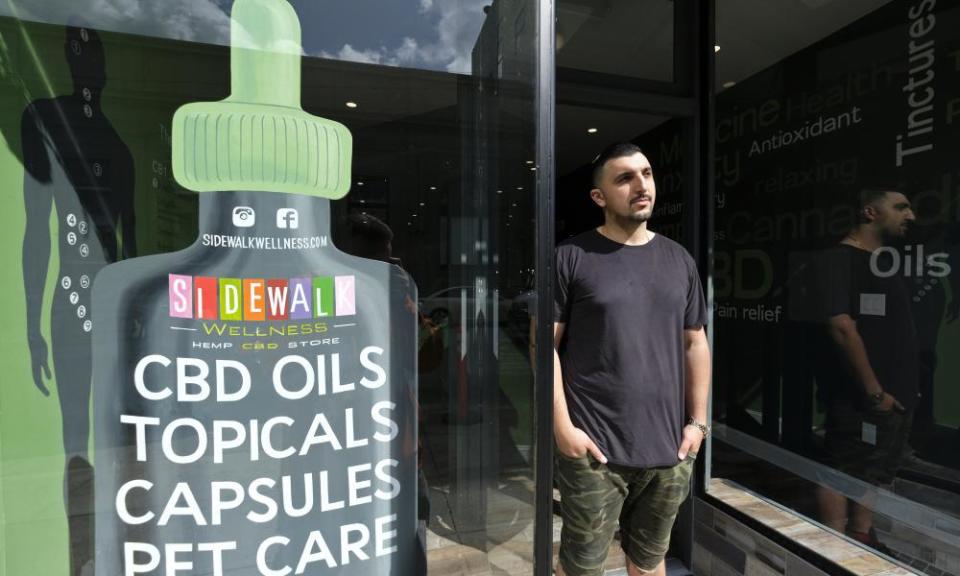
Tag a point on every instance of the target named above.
point(443, 307)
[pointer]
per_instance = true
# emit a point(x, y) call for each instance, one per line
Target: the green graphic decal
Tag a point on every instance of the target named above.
point(259, 138)
point(274, 430)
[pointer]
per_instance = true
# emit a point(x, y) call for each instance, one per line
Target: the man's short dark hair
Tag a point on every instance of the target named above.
point(615, 150)
point(870, 195)
point(875, 190)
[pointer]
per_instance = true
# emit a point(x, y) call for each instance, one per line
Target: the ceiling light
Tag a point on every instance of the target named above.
point(716, 47)
point(433, 187)
point(351, 104)
point(529, 162)
point(499, 191)
point(730, 84)
point(591, 130)
point(519, 187)
point(359, 183)
point(533, 168)
point(423, 203)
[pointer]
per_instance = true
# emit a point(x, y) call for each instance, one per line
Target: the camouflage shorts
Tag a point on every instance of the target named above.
point(595, 498)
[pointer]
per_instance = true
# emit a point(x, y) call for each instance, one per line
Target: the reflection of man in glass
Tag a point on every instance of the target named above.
point(867, 371)
point(370, 237)
point(74, 162)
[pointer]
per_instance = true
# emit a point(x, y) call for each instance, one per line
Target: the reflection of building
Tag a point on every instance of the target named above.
point(460, 166)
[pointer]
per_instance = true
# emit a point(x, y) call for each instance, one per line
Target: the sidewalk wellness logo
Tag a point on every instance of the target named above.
point(258, 299)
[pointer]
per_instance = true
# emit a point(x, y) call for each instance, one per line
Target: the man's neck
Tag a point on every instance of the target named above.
point(864, 239)
point(635, 235)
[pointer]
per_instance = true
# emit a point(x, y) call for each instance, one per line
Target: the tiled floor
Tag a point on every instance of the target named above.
point(857, 560)
point(512, 557)
point(492, 533)
point(504, 547)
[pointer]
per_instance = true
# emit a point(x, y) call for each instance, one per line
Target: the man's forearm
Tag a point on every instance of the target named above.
point(561, 416)
point(697, 358)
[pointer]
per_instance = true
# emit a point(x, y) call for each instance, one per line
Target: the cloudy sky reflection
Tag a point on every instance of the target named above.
point(424, 34)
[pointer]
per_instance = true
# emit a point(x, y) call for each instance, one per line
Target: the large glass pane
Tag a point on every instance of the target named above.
point(829, 290)
point(439, 98)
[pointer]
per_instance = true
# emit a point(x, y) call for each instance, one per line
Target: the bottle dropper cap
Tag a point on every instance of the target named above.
point(259, 138)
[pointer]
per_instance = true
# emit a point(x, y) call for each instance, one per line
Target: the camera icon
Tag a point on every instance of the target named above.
point(244, 216)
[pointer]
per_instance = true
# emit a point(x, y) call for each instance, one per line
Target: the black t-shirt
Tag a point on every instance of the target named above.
point(880, 305)
point(622, 356)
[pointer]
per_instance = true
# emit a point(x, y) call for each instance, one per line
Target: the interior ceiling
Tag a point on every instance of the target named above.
point(623, 37)
point(576, 147)
point(634, 38)
point(754, 35)
point(626, 38)
point(631, 38)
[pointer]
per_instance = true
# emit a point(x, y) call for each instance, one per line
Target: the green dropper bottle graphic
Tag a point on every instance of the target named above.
point(255, 393)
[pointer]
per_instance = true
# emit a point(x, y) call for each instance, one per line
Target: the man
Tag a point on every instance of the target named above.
point(867, 369)
point(632, 375)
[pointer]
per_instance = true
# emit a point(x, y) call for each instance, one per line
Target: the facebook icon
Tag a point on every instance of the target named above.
point(288, 218)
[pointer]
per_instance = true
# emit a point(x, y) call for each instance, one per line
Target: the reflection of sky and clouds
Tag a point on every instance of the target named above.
point(424, 34)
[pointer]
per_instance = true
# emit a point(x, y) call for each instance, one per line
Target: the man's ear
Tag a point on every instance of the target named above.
point(597, 196)
point(869, 213)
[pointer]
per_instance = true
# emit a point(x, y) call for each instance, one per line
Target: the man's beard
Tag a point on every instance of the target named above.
point(632, 219)
point(894, 237)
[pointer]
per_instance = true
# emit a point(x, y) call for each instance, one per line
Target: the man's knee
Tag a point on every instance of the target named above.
point(634, 570)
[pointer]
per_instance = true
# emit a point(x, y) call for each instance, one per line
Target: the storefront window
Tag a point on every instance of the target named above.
point(835, 268)
point(438, 98)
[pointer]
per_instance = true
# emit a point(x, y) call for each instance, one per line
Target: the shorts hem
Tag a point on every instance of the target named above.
point(577, 572)
point(641, 565)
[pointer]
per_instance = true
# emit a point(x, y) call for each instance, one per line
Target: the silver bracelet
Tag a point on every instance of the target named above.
point(704, 429)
